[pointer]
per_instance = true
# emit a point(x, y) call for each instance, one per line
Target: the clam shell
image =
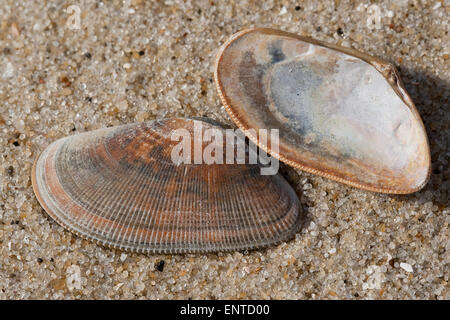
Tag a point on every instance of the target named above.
point(118, 187)
point(340, 113)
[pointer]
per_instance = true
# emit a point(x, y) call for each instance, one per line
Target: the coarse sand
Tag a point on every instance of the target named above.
point(70, 67)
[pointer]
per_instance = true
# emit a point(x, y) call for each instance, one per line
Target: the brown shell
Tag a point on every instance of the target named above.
point(118, 187)
point(340, 113)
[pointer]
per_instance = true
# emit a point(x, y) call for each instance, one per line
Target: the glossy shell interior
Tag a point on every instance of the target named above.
point(119, 187)
point(341, 114)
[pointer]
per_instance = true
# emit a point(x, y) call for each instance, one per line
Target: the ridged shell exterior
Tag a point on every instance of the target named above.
point(340, 113)
point(118, 187)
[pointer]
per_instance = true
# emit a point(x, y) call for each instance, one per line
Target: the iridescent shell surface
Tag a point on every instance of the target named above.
point(119, 187)
point(340, 113)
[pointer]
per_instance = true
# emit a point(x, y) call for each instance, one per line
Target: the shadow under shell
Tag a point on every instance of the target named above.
point(119, 187)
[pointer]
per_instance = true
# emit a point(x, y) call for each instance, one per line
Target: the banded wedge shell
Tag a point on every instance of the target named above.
point(340, 113)
point(118, 187)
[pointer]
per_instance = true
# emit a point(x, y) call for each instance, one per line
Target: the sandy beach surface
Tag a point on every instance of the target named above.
point(69, 67)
